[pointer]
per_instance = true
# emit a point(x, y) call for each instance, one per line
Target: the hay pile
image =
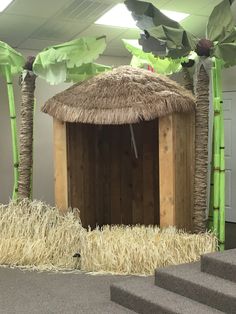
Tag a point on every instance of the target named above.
point(35, 235)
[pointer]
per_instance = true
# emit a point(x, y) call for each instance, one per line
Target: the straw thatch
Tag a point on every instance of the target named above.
point(124, 95)
point(35, 235)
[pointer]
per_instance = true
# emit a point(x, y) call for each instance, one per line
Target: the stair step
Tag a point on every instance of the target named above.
point(142, 296)
point(220, 264)
point(188, 280)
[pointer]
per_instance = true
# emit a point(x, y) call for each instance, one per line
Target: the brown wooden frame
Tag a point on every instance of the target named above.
point(176, 168)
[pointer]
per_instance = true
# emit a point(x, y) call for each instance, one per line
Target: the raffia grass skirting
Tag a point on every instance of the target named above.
point(124, 95)
point(35, 235)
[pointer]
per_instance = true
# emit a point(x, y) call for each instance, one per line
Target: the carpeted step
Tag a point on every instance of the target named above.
point(220, 264)
point(188, 280)
point(142, 296)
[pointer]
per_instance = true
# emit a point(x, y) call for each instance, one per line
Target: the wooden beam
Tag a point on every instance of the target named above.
point(60, 165)
point(176, 163)
point(167, 171)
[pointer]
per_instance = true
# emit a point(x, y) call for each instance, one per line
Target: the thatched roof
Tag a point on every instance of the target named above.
point(123, 95)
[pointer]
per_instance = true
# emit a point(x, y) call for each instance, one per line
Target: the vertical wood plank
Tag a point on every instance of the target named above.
point(148, 173)
point(156, 187)
point(115, 175)
point(167, 171)
point(60, 165)
point(182, 205)
point(137, 176)
point(106, 179)
point(126, 176)
point(89, 168)
point(98, 175)
point(184, 161)
point(76, 178)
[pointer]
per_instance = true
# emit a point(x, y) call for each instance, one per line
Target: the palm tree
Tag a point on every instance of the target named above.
point(220, 43)
point(11, 63)
point(68, 62)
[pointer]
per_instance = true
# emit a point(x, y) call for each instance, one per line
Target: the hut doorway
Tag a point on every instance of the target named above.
point(110, 181)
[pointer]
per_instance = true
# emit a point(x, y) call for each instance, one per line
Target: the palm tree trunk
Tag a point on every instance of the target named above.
point(187, 79)
point(201, 151)
point(26, 135)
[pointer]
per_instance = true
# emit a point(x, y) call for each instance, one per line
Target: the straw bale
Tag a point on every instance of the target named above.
point(35, 235)
point(123, 95)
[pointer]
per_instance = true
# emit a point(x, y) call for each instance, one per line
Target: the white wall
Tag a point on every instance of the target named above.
point(43, 148)
point(229, 79)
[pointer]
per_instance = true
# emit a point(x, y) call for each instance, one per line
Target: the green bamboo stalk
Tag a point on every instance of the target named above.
point(211, 200)
point(222, 186)
point(216, 161)
point(210, 215)
point(12, 111)
point(222, 160)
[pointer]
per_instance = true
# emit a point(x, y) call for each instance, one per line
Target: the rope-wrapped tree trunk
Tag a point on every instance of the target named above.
point(187, 80)
point(26, 133)
point(201, 151)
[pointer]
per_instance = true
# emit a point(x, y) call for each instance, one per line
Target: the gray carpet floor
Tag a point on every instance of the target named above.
point(29, 292)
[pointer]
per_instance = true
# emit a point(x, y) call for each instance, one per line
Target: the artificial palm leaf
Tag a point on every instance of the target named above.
point(85, 71)
point(151, 44)
point(54, 63)
point(221, 22)
point(140, 58)
point(159, 27)
point(178, 41)
point(10, 57)
point(226, 52)
point(148, 16)
point(229, 37)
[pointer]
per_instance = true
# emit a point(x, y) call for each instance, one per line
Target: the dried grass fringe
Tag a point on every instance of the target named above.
point(124, 95)
point(35, 235)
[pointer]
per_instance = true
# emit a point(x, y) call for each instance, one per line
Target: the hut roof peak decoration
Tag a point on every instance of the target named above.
point(121, 96)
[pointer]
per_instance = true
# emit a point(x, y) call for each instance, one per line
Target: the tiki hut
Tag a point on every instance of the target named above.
point(124, 149)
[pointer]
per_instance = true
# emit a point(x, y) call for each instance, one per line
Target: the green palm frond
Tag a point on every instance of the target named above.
point(10, 58)
point(164, 30)
point(140, 59)
point(148, 16)
point(226, 52)
point(221, 22)
point(85, 71)
point(55, 63)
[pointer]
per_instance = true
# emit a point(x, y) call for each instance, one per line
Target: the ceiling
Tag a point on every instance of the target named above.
point(36, 24)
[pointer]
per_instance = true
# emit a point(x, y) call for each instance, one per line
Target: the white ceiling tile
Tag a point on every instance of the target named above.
point(58, 30)
point(15, 28)
point(132, 33)
point(38, 8)
point(36, 44)
point(101, 30)
point(185, 6)
point(84, 10)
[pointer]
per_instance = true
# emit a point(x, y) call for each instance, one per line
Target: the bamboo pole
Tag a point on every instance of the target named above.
point(211, 200)
point(12, 111)
point(222, 186)
point(222, 161)
point(216, 162)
